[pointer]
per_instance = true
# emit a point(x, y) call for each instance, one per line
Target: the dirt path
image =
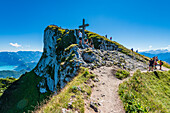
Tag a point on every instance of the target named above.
point(105, 92)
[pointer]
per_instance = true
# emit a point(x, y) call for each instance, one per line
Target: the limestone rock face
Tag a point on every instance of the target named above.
point(55, 73)
point(89, 56)
point(62, 57)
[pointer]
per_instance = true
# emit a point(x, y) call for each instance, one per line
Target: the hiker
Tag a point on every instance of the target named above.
point(161, 63)
point(156, 58)
point(80, 38)
point(151, 62)
point(86, 43)
point(80, 34)
point(155, 61)
point(132, 52)
point(91, 44)
point(80, 42)
point(155, 64)
point(111, 38)
point(136, 51)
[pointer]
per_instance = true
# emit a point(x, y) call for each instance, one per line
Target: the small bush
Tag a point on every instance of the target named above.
point(121, 74)
point(86, 73)
point(74, 89)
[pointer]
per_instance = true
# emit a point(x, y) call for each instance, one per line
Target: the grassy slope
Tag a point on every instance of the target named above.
point(146, 92)
point(61, 100)
point(166, 65)
point(22, 95)
point(5, 83)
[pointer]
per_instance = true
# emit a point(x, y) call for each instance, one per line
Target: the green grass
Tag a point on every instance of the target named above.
point(5, 83)
point(166, 65)
point(121, 74)
point(22, 95)
point(57, 102)
point(146, 92)
point(69, 47)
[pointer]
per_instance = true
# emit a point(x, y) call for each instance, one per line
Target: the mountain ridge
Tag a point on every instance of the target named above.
point(23, 61)
point(59, 64)
point(157, 51)
point(16, 58)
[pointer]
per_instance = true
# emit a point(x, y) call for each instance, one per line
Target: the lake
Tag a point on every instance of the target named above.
point(7, 68)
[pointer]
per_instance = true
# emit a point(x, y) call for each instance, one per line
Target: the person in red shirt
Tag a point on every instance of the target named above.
point(160, 63)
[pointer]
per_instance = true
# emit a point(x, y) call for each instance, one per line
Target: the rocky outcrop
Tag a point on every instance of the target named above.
point(62, 57)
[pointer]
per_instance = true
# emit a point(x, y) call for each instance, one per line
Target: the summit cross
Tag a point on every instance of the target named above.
point(83, 26)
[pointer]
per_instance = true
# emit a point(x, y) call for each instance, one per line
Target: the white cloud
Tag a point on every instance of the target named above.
point(150, 47)
point(15, 45)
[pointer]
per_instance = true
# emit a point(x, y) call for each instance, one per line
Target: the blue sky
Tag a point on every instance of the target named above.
point(138, 24)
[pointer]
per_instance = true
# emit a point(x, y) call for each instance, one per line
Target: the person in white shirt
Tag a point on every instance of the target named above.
point(80, 34)
point(81, 40)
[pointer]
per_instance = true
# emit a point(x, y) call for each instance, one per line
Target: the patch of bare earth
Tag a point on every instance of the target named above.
point(105, 93)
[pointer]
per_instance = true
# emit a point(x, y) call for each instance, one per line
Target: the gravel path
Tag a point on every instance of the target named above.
point(105, 92)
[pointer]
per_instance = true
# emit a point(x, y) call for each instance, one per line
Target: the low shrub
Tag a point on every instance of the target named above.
point(121, 74)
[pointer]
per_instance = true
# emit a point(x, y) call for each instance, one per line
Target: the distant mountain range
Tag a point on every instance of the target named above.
point(20, 57)
point(162, 54)
point(14, 74)
point(23, 60)
point(158, 51)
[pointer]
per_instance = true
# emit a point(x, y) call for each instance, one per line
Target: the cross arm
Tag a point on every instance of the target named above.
point(83, 25)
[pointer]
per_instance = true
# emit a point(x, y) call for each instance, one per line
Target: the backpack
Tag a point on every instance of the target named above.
point(162, 63)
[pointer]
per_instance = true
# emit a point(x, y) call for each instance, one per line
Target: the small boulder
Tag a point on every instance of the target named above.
point(92, 105)
point(96, 80)
point(70, 105)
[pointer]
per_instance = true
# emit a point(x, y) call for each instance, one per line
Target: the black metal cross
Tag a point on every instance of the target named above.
point(83, 26)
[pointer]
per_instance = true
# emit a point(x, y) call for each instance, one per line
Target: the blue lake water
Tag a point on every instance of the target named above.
point(7, 68)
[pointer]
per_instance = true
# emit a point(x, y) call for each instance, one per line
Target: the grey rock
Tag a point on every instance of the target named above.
point(78, 88)
point(64, 110)
point(92, 105)
point(92, 86)
point(70, 105)
point(99, 104)
point(96, 80)
point(73, 96)
point(102, 95)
